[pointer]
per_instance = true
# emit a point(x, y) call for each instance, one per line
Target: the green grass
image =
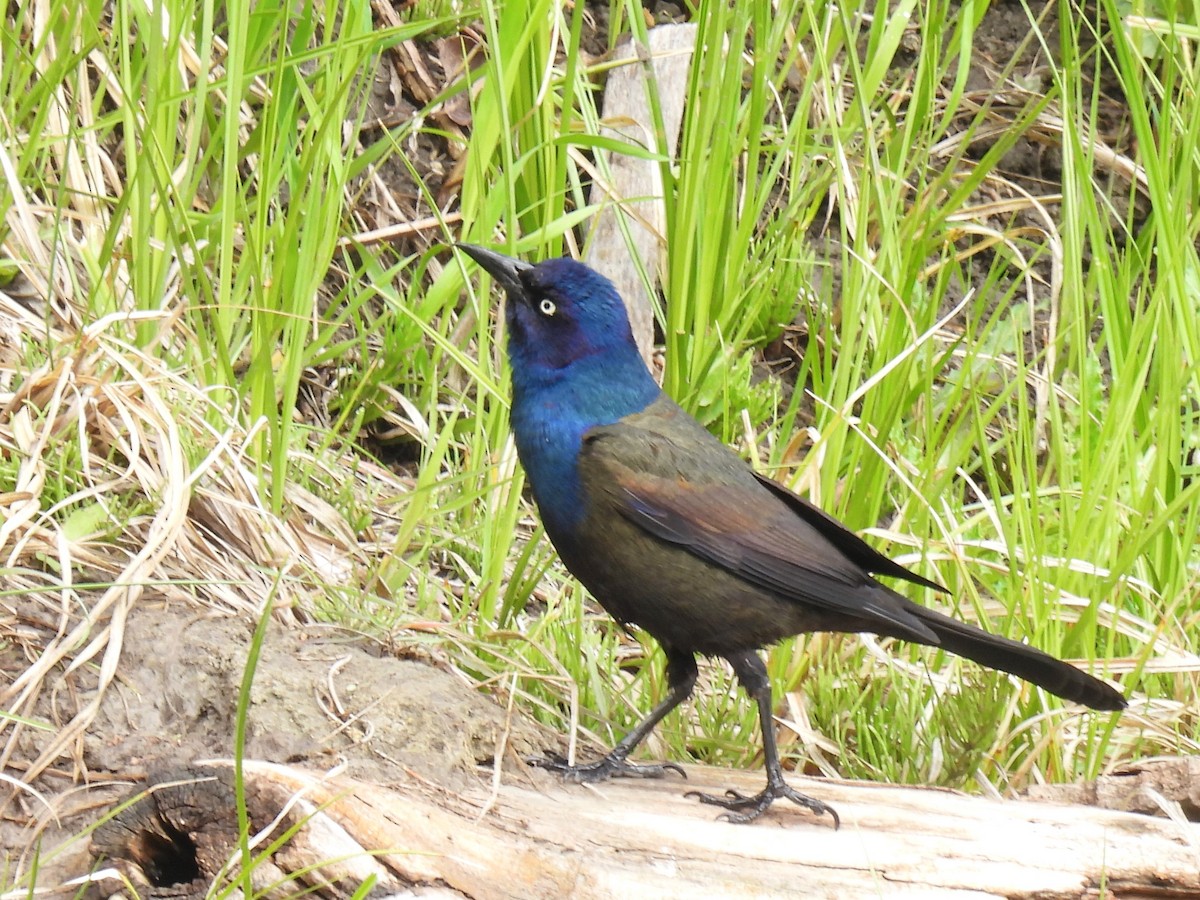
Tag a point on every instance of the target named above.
point(998, 386)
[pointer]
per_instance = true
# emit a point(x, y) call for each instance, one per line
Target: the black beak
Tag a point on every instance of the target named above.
point(504, 269)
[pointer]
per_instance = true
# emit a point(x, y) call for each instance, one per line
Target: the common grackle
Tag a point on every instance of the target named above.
point(671, 531)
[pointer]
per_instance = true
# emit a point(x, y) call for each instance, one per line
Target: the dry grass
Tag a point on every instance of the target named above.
point(157, 506)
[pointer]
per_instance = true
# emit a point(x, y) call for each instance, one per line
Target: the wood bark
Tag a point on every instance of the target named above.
point(540, 838)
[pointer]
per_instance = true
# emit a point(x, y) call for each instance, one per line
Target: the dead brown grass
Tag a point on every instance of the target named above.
point(125, 493)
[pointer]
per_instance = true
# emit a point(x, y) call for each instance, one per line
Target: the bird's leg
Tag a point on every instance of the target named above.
point(681, 678)
point(752, 674)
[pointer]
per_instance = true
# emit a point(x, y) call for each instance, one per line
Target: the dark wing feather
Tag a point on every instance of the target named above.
point(855, 548)
point(687, 494)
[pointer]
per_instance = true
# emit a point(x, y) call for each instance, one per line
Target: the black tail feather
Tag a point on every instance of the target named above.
point(995, 652)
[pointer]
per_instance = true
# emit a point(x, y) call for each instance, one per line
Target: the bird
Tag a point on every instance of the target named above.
point(674, 533)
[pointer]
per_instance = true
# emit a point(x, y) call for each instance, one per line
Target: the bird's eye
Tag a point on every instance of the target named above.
point(546, 307)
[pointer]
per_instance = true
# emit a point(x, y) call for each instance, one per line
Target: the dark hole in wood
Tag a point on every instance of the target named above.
point(166, 858)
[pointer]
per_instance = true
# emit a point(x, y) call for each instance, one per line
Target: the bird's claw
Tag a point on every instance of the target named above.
point(603, 769)
point(743, 808)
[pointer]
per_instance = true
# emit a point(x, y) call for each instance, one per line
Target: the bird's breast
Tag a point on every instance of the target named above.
point(552, 411)
point(548, 446)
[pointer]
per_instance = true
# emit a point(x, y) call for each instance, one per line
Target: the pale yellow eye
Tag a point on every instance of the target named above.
point(547, 307)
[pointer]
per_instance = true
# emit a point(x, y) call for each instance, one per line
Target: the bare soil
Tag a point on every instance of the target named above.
point(321, 698)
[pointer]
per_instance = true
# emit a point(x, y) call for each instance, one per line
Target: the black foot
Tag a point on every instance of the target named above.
point(602, 769)
point(746, 809)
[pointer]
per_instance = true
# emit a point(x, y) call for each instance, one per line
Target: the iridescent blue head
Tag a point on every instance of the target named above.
point(559, 311)
point(567, 322)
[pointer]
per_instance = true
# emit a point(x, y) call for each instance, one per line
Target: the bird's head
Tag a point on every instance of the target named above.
point(559, 311)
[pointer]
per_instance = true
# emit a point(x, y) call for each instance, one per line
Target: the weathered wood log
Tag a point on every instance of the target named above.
point(1164, 785)
point(645, 839)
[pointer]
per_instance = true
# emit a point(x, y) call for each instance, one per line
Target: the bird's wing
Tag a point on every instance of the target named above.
point(700, 496)
point(855, 548)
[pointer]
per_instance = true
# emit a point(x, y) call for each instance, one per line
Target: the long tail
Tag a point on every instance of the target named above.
point(1019, 659)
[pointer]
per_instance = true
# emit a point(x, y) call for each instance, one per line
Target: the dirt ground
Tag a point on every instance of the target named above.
point(321, 698)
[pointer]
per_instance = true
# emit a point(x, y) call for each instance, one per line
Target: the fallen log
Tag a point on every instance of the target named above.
point(539, 838)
